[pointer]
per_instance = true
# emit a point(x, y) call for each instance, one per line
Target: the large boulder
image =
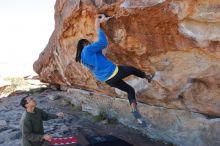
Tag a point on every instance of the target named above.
point(177, 39)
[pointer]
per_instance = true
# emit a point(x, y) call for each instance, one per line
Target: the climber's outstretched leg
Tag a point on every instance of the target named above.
point(118, 83)
point(125, 71)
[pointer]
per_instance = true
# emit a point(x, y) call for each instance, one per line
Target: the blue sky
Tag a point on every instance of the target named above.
point(25, 29)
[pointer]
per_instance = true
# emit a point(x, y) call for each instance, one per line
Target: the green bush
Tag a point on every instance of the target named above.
point(104, 116)
point(100, 117)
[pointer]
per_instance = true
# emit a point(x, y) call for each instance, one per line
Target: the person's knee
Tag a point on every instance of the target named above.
point(131, 95)
point(131, 91)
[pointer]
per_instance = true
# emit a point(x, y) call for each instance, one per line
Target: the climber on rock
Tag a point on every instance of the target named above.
point(90, 54)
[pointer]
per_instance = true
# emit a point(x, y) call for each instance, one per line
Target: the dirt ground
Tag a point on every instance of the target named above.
point(74, 122)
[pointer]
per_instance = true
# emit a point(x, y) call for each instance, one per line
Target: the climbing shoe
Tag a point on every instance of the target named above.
point(150, 77)
point(139, 119)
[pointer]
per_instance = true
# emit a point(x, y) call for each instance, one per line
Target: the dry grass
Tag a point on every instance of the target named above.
point(15, 82)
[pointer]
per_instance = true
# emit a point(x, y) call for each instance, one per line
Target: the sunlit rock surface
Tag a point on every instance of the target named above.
point(200, 19)
point(177, 39)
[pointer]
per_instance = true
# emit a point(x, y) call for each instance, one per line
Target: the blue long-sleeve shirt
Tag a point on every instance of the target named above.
point(95, 61)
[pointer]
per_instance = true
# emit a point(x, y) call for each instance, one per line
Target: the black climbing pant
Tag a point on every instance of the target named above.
point(118, 83)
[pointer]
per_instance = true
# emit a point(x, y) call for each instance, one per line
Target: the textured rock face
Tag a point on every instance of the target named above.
point(177, 39)
point(199, 20)
point(181, 127)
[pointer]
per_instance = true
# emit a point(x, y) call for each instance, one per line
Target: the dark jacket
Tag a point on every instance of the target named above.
point(32, 127)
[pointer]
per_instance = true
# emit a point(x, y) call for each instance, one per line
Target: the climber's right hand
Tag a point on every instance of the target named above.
point(102, 18)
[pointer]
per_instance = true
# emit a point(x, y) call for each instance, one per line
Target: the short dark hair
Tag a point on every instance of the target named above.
point(80, 46)
point(23, 101)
